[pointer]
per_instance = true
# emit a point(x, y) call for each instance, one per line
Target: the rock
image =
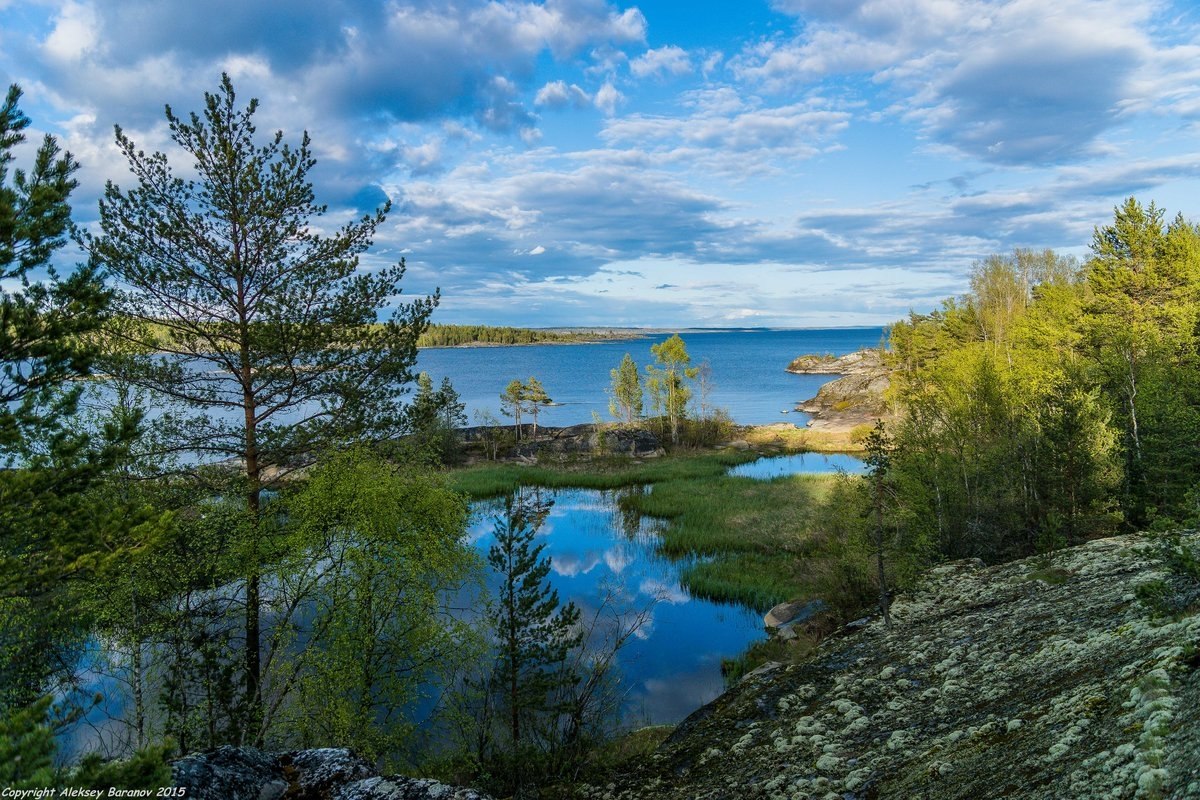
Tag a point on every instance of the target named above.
point(632, 442)
point(739, 444)
point(229, 773)
point(865, 361)
point(989, 684)
point(856, 398)
point(784, 613)
point(244, 773)
point(574, 439)
point(316, 773)
point(404, 789)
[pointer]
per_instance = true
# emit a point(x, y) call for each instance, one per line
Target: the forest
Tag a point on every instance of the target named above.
point(440, 335)
point(218, 494)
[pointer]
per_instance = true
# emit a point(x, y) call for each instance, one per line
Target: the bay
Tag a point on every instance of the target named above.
point(748, 370)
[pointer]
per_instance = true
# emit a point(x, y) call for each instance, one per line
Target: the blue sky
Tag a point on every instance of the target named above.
point(701, 163)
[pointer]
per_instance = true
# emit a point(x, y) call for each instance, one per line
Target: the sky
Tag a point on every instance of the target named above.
point(791, 163)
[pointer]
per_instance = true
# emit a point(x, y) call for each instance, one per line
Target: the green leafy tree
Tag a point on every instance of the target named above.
point(667, 381)
point(378, 635)
point(259, 331)
point(625, 392)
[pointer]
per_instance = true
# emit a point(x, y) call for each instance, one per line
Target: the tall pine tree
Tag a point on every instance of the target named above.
point(246, 319)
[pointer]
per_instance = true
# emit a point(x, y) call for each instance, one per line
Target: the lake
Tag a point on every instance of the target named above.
point(603, 557)
point(748, 370)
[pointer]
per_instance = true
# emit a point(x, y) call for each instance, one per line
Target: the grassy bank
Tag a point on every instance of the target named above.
point(611, 472)
point(802, 440)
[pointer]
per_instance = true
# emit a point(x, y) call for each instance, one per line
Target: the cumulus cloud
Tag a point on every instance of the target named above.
point(1015, 82)
point(608, 98)
point(669, 60)
point(558, 95)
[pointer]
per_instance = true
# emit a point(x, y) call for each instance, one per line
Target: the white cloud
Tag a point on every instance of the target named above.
point(75, 32)
point(608, 98)
point(557, 95)
point(669, 60)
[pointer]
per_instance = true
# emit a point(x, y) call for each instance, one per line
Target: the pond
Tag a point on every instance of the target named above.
point(799, 464)
point(602, 557)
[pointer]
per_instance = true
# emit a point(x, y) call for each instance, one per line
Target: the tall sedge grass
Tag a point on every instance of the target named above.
point(752, 542)
point(487, 481)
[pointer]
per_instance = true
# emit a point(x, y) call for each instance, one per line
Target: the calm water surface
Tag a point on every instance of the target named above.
point(799, 464)
point(747, 369)
point(672, 665)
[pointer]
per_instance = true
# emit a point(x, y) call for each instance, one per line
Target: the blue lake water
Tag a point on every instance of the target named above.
point(800, 463)
point(602, 557)
point(748, 370)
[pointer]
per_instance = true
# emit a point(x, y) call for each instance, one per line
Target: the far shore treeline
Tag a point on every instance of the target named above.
point(438, 335)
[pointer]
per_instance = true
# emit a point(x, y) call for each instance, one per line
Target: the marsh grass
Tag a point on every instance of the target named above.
point(496, 480)
point(750, 542)
point(753, 535)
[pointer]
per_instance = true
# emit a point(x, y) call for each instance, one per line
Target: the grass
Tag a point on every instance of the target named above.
point(750, 542)
point(800, 440)
point(753, 534)
point(495, 480)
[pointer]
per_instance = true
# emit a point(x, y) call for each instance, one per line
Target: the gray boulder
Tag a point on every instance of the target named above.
point(244, 773)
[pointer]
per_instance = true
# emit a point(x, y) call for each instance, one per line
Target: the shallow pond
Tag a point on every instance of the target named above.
point(799, 464)
point(603, 557)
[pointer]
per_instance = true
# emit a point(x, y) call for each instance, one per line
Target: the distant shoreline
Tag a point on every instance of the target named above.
point(614, 334)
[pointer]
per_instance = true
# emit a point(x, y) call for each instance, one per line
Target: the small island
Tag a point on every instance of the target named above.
point(855, 399)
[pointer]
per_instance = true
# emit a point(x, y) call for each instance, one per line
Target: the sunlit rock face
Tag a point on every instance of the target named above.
point(1024, 680)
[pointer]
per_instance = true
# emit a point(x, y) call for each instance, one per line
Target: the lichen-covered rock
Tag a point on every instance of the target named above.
point(404, 789)
point(228, 773)
point(244, 773)
point(318, 773)
point(1012, 681)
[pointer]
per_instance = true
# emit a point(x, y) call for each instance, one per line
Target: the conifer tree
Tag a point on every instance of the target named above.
point(261, 331)
point(534, 634)
point(535, 398)
point(512, 404)
point(47, 339)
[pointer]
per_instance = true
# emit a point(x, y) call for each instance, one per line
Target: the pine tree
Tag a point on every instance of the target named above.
point(535, 398)
point(534, 634)
point(512, 404)
point(238, 314)
point(47, 339)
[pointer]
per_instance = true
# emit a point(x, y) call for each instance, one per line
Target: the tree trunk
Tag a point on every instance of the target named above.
point(253, 655)
point(884, 605)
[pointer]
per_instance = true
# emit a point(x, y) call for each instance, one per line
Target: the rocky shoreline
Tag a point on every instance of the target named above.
point(855, 399)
